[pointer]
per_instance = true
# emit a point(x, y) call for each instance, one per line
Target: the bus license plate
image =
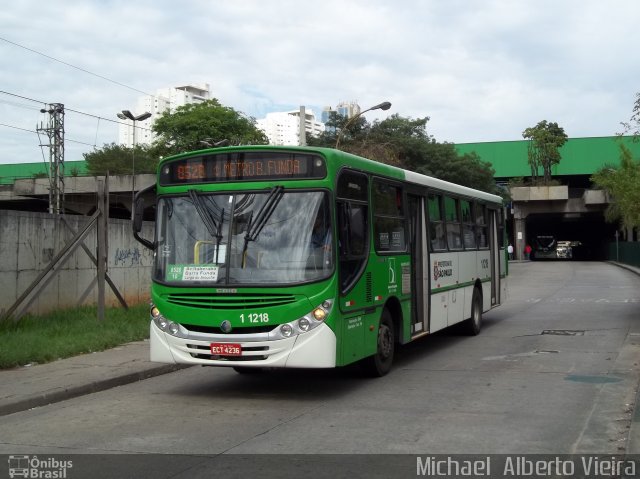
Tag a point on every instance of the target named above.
point(226, 349)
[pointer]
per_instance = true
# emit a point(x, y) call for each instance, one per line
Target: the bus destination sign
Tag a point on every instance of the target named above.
point(244, 166)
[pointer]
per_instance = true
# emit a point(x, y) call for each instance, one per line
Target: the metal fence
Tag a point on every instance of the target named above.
point(625, 252)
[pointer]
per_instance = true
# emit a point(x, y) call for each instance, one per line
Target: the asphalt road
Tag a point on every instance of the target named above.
point(554, 371)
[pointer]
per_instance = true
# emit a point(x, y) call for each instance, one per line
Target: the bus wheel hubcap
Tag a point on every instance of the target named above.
point(385, 341)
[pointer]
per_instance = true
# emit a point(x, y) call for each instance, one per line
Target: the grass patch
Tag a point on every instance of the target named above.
point(70, 332)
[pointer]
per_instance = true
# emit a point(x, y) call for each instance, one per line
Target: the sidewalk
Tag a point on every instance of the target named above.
point(633, 442)
point(27, 387)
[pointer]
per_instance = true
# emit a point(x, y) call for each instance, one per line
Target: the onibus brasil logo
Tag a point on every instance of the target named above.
point(33, 467)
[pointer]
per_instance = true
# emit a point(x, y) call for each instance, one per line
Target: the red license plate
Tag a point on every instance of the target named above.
point(226, 349)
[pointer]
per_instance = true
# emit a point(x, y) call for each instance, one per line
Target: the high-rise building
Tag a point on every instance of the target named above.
point(346, 109)
point(165, 99)
point(283, 128)
point(326, 114)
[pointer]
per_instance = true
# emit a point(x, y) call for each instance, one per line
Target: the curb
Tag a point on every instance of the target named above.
point(628, 267)
point(43, 399)
point(632, 445)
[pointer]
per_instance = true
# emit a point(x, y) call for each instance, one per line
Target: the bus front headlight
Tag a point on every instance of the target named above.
point(164, 324)
point(319, 314)
point(286, 330)
point(306, 323)
point(158, 319)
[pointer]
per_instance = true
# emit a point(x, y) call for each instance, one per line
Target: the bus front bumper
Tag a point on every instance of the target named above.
point(314, 349)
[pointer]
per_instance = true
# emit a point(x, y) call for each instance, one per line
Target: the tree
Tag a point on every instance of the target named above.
point(188, 126)
point(180, 131)
point(622, 183)
point(633, 126)
point(328, 137)
point(120, 160)
point(546, 139)
point(405, 142)
point(466, 170)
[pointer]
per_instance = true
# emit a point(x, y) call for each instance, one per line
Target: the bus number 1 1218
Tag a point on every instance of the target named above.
point(255, 318)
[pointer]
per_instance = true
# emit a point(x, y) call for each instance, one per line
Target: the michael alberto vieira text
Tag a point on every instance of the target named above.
point(523, 466)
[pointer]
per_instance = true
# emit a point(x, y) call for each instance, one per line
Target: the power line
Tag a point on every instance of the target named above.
point(33, 131)
point(79, 142)
point(19, 105)
point(23, 97)
point(72, 110)
point(17, 128)
point(73, 66)
point(105, 119)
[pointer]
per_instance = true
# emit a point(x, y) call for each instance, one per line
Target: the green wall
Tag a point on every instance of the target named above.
point(580, 156)
point(17, 171)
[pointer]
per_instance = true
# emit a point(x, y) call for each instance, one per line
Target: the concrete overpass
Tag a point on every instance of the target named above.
point(571, 211)
point(80, 194)
point(552, 210)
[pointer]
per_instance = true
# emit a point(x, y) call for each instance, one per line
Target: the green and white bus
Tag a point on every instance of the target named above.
point(300, 257)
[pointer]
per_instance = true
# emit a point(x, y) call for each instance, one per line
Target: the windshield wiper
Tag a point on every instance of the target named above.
point(254, 226)
point(214, 227)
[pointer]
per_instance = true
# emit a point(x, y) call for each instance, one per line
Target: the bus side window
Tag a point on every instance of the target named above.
point(353, 226)
point(481, 225)
point(388, 217)
point(357, 230)
point(436, 224)
point(452, 218)
point(468, 225)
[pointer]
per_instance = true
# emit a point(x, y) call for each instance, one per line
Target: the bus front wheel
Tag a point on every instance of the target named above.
point(380, 363)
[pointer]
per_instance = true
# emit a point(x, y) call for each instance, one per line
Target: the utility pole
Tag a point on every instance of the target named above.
point(55, 131)
point(302, 131)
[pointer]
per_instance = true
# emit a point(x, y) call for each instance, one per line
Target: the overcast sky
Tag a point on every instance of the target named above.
point(480, 70)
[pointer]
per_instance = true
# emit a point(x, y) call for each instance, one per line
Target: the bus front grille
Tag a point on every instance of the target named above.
point(217, 330)
point(229, 301)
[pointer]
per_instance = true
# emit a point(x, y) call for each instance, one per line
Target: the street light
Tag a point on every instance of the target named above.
point(127, 115)
point(385, 105)
point(211, 143)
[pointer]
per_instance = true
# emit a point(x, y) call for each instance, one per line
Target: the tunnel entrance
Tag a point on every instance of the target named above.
point(589, 233)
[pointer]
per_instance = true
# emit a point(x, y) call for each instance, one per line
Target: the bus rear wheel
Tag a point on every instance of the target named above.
point(380, 363)
point(474, 323)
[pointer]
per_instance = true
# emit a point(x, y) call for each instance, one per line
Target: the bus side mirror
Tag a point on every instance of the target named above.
point(138, 215)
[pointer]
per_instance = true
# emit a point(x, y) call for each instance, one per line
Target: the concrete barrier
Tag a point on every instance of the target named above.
point(28, 242)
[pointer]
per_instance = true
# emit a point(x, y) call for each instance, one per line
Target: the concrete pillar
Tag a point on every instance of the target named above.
point(520, 230)
point(521, 237)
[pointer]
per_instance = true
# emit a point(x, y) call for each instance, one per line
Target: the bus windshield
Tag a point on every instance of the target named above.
point(275, 236)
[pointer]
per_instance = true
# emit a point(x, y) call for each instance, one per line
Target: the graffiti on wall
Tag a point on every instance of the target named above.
point(131, 257)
